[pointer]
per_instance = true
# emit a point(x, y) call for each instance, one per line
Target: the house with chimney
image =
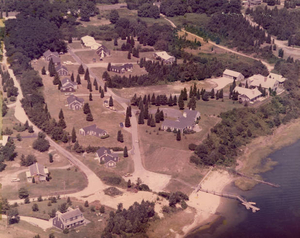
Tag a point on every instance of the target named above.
point(67, 85)
point(74, 102)
point(62, 70)
point(259, 80)
point(70, 219)
point(121, 68)
point(102, 51)
point(106, 157)
point(48, 55)
point(92, 130)
point(38, 172)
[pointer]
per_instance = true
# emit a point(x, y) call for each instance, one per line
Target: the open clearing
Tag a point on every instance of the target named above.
point(63, 181)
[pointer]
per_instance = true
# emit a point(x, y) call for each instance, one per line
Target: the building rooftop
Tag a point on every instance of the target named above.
point(231, 73)
point(250, 93)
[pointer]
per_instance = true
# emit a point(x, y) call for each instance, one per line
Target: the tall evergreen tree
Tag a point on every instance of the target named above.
point(127, 121)
point(43, 71)
point(81, 69)
point(90, 97)
point(86, 108)
point(72, 77)
point(61, 114)
point(87, 75)
point(111, 102)
point(62, 123)
point(178, 136)
point(89, 117)
point(181, 102)
point(141, 117)
point(125, 152)
point(56, 79)
point(78, 80)
point(74, 137)
point(102, 93)
point(109, 67)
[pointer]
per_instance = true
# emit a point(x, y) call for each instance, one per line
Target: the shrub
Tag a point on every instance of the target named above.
point(104, 137)
point(192, 146)
point(23, 193)
point(66, 231)
point(12, 99)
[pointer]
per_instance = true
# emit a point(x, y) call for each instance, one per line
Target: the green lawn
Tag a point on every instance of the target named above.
point(200, 20)
point(63, 181)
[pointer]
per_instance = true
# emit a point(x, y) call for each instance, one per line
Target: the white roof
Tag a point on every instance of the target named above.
point(164, 55)
point(278, 77)
point(4, 140)
point(87, 39)
point(232, 73)
point(265, 82)
point(250, 93)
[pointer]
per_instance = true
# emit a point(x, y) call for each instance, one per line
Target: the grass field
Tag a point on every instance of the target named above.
point(63, 181)
point(24, 229)
point(200, 20)
point(104, 118)
point(124, 166)
point(171, 224)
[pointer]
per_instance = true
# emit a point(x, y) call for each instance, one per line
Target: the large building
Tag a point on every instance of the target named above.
point(89, 41)
point(185, 122)
point(247, 94)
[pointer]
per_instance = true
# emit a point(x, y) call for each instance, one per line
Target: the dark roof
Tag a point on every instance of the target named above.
point(71, 213)
point(50, 53)
point(66, 81)
point(37, 169)
point(103, 150)
point(60, 67)
point(103, 48)
point(73, 98)
point(117, 67)
point(128, 66)
point(188, 118)
point(94, 128)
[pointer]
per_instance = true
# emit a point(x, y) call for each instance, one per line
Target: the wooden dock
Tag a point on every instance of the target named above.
point(248, 205)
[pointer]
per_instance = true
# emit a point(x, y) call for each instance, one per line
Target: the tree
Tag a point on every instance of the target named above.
point(116, 41)
point(43, 71)
point(13, 216)
point(41, 144)
point(102, 93)
point(30, 129)
point(50, 158)
point(87, 75)
point(40, 199)
point(33, 180)
point(72, 77)
point(108, 69)
point(81, 69)
point(114, 16)
point(127, 121)
point(120, 137)
point(181, 102)
point(86, 204)
point(129, 55)
point(178, 136)
point(102, 209)
point(125, 152)
point(141, 117)
point(89, 117)
point(61, 123)
point(78, 80)
point(26, 200)
point(280, 53)
point(19, 138)
point(69, 201)
point(35, 207)
point(111, 102)
point(51, 235)
point(129, 183)
point(51, 68)
point(63, 207)
point(90, 97)
point(74, 137)
point(56, 79)
point(86, 108)
point(61, 114)
point(105, 87)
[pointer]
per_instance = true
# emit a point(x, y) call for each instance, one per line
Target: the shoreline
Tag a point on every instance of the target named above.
point(207, 204)
point(257, 150)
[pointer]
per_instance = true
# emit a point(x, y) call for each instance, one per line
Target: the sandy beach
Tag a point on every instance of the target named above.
point(204, 203)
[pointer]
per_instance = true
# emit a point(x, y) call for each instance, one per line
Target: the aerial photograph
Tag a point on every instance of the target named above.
point(150, 119)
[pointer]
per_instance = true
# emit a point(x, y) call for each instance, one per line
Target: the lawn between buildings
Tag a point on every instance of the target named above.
point(92, 229)
point(63, 181)
point(104, 118)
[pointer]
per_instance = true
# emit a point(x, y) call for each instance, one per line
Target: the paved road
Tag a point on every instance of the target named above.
point(155, 181)
point(93, 180)
point(35, 221)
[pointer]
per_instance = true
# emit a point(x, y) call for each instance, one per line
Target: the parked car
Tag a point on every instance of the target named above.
point(15, 180)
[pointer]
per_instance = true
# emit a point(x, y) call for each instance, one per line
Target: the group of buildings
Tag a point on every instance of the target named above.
point(248, 88)
point(90, 42)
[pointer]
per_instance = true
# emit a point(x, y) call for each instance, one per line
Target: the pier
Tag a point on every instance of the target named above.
point(248, 205)
point(257, 180)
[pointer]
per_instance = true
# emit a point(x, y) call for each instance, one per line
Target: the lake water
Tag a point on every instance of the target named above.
point(279, 214)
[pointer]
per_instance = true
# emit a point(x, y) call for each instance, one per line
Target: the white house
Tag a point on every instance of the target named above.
point(234, 75)
point(89, 41)
point(256, 80)
point(246, 94)
point(278, 77)
point(164, 56)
